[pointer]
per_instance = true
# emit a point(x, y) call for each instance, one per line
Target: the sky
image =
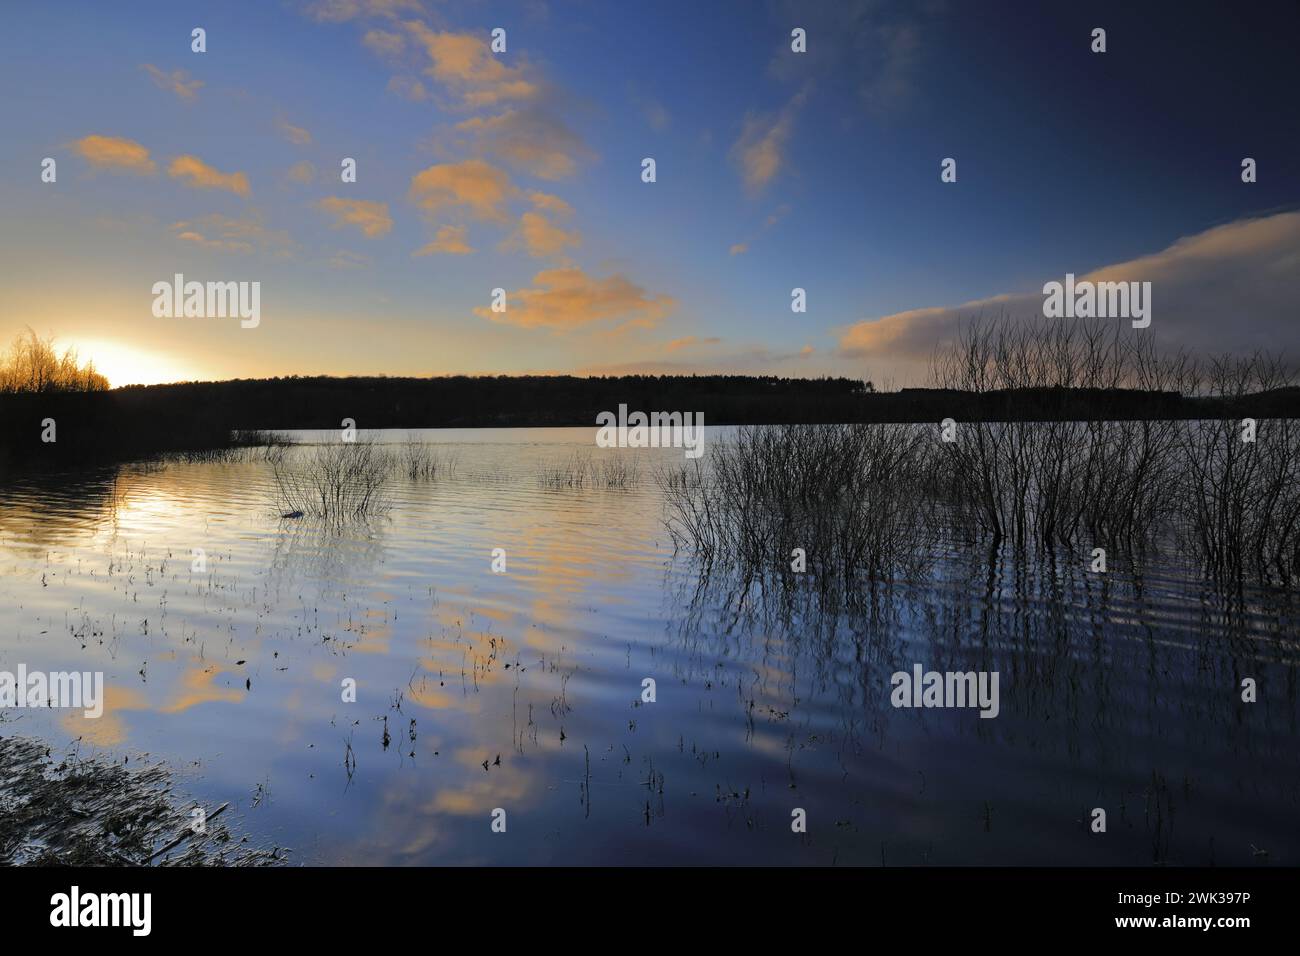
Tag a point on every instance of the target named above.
point(522, 170)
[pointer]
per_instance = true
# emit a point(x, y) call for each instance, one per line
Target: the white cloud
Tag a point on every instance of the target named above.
point(1231, 288)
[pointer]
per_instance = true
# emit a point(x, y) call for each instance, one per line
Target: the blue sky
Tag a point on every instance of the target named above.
point(774, 170)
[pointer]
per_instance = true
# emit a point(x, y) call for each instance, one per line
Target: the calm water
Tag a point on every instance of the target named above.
point(1117, 691)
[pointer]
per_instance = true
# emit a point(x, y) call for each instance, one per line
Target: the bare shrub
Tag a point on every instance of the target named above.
point(573, 472)
point(333, 482)
point(852, 496)
point(32, 364)
point(419, 462)
point(1238, 502)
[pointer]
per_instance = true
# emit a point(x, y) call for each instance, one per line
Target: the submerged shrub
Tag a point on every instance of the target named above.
point(875, 500)
point(420, 462)
point(333, 482)
point(573, 472)
point(853, 497)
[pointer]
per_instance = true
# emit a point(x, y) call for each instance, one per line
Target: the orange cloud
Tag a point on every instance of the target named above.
point(198, 686)
point(450, 241)
point(302, 173)
point(294, 134)
point(541, 237)
point(473, 185)
point(532, 139)
point(760, 151)
point(691, 340)
point(115, 152)
point(551, 204)
point(565, 299)
point(340, 11)
point(868, 337)
point(177, 81)
point(200, 175)
point(220, 244)
point(108, 729)
point(227, 234)
point(537, 233)
point(470, 798)
point(370, 216)
point(465, 64)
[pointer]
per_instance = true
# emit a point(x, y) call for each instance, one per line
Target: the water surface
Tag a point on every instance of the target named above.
point(522, 691)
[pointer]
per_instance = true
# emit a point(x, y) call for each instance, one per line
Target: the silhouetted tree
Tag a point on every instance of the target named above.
point(32, 364)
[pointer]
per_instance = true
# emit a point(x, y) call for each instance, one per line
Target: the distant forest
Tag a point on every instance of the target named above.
point(138, 420)
point(495, 401)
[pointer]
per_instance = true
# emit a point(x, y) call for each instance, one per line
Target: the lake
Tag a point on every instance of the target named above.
point(522, 691)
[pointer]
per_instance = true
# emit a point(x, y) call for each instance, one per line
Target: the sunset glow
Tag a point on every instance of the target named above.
point(129, 365)
point(378, 206)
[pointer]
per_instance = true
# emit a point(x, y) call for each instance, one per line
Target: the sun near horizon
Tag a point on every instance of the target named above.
point(127, 365)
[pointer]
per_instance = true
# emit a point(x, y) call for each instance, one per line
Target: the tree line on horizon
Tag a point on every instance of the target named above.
point(999, 371)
